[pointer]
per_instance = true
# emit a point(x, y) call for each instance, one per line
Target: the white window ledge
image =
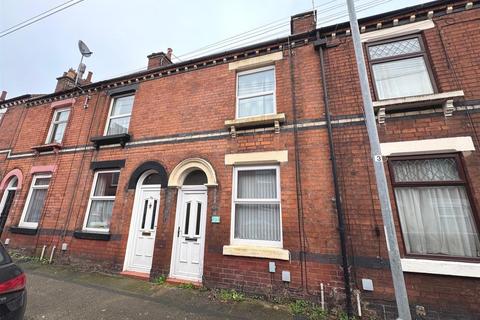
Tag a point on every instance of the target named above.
point(417, 101)
point(248, 122)
point(256, 120)
point(256, 252)
point(448, 268)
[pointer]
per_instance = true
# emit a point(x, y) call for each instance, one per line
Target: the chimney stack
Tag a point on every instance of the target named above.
point(159, 59)
point(3, 96)
point(67, 81)
point(303, 22)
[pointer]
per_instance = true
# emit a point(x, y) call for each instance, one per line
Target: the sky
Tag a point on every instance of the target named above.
point(122, 33)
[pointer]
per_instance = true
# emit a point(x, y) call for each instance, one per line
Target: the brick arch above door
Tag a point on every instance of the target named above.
point(149, 165)
point(13, 173)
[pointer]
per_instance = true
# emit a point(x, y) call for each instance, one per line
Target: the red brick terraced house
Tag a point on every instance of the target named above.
point(251, 169)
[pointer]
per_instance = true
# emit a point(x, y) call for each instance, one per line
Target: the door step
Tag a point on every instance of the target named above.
point(177, 282)
point(136, 275)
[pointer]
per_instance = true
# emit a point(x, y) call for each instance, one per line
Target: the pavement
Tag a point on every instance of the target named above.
point(59, 292)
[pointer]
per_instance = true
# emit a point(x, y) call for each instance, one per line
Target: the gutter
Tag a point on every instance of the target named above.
point(320, 45)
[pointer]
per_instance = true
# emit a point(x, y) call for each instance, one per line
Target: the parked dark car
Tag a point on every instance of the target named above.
point(13, 294)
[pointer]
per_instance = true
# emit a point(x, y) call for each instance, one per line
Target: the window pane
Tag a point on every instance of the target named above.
point(257, 222)
point(122, 105)
point(62, 115)
point(425, 170)
point(13, 183)
point(194, 178)
point(255, 106)
point(257, 82)
point(58, 131)
point(437, 220)
point(118, 125)
point(42, 181)
point(153, 178)
point(257, 184)
point(100, 214)
point(35, 205)
point(395, 48)
point(106, 184)
point(402, 78)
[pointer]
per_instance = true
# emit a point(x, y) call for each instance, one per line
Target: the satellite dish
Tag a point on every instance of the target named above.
point(84, 49)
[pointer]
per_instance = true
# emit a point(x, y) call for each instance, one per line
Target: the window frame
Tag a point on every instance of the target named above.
point(53, 123)
point(92, 197)
point(265, 93)
point(34, 225)
point(463, 181)
point(235, 200)
point(110, 117)
point(422, 53)
point(3, 198)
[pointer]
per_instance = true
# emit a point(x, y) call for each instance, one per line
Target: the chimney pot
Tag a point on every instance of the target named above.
point(303, 22)
point(3, 95)
point(89, 77)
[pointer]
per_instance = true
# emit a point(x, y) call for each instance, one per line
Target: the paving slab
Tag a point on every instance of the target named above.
point(57, 292)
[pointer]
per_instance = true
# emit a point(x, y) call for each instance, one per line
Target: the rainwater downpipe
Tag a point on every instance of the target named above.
point(320, 45)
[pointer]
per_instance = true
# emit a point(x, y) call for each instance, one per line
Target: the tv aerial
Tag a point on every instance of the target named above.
point(85, 52)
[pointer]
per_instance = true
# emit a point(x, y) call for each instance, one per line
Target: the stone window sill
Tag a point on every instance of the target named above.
point(122, 139)
point(91, 235)
point(448, 268)
point(47, 147)
point(256, 121)
point(256, 252)
point(398, 104)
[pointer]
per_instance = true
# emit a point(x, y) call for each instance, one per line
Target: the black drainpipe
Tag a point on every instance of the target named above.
point(319, 45)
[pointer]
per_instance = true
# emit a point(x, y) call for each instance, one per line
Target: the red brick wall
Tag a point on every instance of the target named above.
point(202, 100)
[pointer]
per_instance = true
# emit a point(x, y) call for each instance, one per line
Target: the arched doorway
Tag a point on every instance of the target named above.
point(191, 177)
point(7, 201)
point(143, 225)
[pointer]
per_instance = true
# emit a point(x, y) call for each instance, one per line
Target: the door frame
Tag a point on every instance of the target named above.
point(3, 199)
point(136, 212)
point(201, 189)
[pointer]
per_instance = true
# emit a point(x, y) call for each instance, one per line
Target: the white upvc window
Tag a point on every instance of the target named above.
point(256, 210)
point(256, 92)
point(102, 198)
point(58, 125)
point(37, 194)
point(119, 115)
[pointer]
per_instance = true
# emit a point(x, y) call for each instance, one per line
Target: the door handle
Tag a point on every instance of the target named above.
point(178, 232)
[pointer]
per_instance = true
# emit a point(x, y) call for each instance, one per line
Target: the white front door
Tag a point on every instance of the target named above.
point(189, 234)
point(141, 239)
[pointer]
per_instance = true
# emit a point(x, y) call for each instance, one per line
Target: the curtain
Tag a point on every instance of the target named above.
point(402, 78)
point(35, 205)
point(257, 221)
point(257, 89)
point(100, 214)
point(437, 220)
point(58, 132)
point(118, 125)
point(257, 184)
point(105, 184)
